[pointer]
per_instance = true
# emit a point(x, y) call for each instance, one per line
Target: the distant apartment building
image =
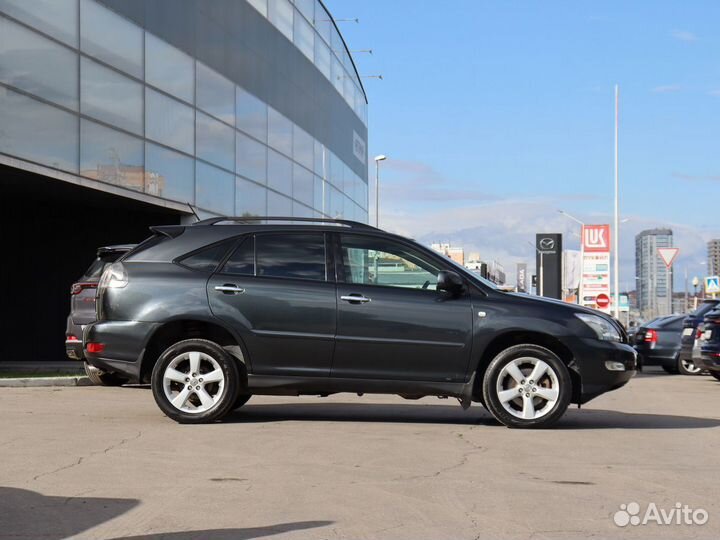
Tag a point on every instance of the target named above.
point(654, 281)
point(714, 256)
point(457, 254)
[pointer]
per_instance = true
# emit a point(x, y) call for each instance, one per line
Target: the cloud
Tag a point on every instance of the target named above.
point(696, 177)
point(684, 35)
point(715, 92)
point(667, 89)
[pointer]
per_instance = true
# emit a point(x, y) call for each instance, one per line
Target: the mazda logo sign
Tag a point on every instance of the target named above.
point(547, 244)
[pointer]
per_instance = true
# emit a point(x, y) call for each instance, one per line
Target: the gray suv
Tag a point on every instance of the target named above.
point(215, 312)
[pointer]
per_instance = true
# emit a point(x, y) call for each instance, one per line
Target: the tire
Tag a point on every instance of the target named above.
point(670, 370)
point(189, 362)
point(241, 400)
point(103, 378)
point(687, 367)
point(519, 362)
point(715, 374)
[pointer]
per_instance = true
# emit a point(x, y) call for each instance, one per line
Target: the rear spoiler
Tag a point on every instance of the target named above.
point(171, 231)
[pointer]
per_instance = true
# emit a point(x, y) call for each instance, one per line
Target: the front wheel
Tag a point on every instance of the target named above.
point(687, 367)
point(195, 381)
point(527, 386)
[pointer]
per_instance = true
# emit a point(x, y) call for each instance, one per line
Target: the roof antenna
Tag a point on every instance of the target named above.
point(192, 209)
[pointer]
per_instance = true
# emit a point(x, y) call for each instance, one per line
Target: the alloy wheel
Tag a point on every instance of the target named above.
point(193, 382)
point(690, 367)
point(528, 388)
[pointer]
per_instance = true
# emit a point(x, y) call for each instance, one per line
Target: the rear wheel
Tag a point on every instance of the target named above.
point(103, 378)
point(527, 386)
point(687, 367)
point(715, 374)
point(195, 381)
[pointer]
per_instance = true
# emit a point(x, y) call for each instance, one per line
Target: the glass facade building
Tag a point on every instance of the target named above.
point(654, 280)
point(237, 107)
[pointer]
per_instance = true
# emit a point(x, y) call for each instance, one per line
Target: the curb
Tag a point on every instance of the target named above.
point(30, 382)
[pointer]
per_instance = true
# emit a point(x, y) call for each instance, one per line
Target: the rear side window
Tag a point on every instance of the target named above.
point(100, 263)
point(291, 256)
point(207, 259)
point(242, 261)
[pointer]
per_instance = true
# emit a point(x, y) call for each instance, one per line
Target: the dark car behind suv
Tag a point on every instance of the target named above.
point(707, 351)
point(690, 334)
point(658, 343)
point(214, 312)
point(82, 309)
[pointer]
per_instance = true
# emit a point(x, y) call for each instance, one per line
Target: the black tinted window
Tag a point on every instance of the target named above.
point(208, 258)
point(242, 261)
point(297, 256)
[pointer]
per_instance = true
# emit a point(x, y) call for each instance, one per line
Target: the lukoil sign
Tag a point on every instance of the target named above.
point(596, 238)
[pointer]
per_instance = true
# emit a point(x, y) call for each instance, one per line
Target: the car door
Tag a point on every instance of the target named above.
point(392, 323)
point(274, 291)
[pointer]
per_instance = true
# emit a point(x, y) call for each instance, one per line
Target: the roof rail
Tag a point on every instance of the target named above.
point(254, 219)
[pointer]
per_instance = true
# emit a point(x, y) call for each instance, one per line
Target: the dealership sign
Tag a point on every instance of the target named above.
point(595, 283)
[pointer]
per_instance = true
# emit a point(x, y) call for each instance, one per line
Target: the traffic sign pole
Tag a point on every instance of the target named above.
point(668, 255)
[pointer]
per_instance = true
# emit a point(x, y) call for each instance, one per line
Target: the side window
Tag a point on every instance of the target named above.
point(208, 258)
point(292, 256)
point(375, 261)
point(242, 261)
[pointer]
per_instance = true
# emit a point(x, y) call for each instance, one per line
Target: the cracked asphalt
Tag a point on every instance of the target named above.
point(104, 463)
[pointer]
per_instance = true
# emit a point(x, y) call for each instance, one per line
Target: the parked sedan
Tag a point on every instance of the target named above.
point(707, 352)
point(691, 333)
point(658, 343)
point(82, 311)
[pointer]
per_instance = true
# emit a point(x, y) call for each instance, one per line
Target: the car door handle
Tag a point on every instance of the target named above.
point(229, 288)
point(355, 298)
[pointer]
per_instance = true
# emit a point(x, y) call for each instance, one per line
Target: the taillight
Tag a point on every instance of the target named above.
point(77, 288)
point(651, 336)
point(72, 338)
point(114, 277)
point(698, 333)
point(95, 348)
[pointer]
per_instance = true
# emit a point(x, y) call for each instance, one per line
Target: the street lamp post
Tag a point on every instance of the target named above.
point(617, 207)
point(378, 159)
point(582, 252)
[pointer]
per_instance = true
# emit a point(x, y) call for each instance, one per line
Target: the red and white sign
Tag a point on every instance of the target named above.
point(596, 238)
point(602, 300)
point(668, 255)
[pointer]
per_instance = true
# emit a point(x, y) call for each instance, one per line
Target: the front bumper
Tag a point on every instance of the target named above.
point(592, 357)
point(124, 346)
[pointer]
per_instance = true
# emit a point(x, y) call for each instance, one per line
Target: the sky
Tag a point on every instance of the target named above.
point(495, 114)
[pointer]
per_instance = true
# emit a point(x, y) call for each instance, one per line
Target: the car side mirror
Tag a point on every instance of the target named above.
point(450, 281)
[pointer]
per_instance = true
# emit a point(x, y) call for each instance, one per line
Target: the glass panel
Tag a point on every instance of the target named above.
point(37, 65)
point(110, 97)
point(322, 58)
point(170, 122)
point(111, 38)
point(279, 172)
point(322, 22)
point(242, 261)
point(250, 199)
point(292, 256)
point(260, 5)
point(57, 18)
point(214, 189)
point(374, 261)
point(300, 210)
point(303, 147)
point(319, 194)
point(307, 8)
point(250, 158)
point(338, 74)
point(280, 13)
point(111, 156)
point(251, 114)
point(169, 174)
point(337, 208)
point(55, 144)
point(215, 94)
point(207, 259)
point(215, 141)
point(279, 132)
point(279, 205)
point(302, 185)
point(304, 37)
point(169, 68)
point(320, 160)
point(336, 171)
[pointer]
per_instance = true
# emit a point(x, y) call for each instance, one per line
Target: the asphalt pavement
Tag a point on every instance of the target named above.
point(104, 463)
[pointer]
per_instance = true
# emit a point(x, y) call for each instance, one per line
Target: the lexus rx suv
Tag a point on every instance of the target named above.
point(214, 312)
point(691, 333)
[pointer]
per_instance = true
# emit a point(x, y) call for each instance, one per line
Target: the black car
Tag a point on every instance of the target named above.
point(690, 334)
point(82, 310)
point(658, 343)
point(707, 352)
point(214, 312)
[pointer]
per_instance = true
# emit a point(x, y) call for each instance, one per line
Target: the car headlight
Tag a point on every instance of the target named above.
point(604, 329)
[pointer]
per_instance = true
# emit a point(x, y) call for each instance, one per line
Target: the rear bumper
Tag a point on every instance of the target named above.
point(593, 357)
point(74, 347)
point(707, 359)
point(124, 345)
